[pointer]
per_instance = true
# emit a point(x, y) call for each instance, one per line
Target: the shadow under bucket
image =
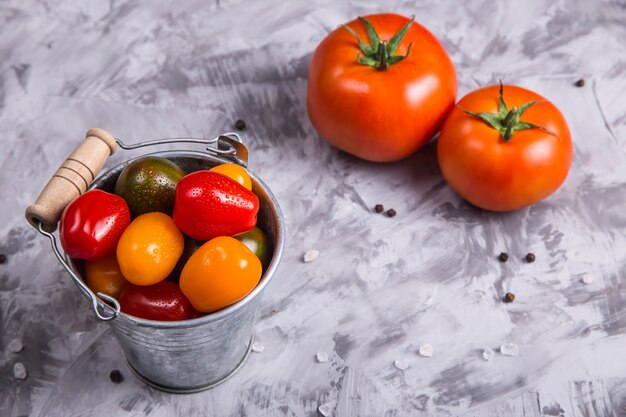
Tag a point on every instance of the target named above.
point(194, 355)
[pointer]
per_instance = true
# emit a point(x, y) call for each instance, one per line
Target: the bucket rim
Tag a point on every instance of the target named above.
point(279, 244)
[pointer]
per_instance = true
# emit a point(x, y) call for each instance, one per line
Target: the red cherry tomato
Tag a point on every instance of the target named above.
point(195, 314)
point(209, 205)
point(163, 301)
point(92, 224)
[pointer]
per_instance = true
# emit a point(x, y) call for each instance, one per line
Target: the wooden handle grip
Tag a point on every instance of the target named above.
point(72, 179)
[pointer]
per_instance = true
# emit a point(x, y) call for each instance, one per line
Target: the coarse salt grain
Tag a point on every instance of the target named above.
point(15, 346)
point(400, 364)
point(321, 357)
point(311, 255)
point(488, 354)
point(509, 349)
point(258, 347)
point(426, 350)
point(19, 371)
point(325, 409)
point(587, 278)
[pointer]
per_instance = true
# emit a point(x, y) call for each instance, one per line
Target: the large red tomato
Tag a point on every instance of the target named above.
point(381, 101)
point(504, 147)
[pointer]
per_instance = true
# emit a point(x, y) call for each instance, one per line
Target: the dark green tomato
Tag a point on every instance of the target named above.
point(257, 242)
point(191, 246)
point(149, 184)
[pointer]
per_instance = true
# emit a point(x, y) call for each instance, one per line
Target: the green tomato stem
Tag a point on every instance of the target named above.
point(507, 122)
point(380, 54)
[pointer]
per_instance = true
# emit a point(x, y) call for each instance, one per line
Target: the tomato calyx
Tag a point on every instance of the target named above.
point(380, 54)
point(507, 121)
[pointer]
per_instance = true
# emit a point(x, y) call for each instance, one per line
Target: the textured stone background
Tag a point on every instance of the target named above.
point(381, 287)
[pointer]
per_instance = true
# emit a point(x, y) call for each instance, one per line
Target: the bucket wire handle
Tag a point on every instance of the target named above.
point(229, 145)
point(104, 311)
point(163, 141)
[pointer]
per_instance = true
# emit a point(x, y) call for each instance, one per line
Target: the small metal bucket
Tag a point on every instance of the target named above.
point(190, 355)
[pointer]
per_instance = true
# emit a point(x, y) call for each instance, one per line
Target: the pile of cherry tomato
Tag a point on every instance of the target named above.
point(169, 245)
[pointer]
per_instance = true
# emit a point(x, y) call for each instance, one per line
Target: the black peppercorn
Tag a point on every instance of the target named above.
point(509, 297)
point(116, 376)
point(3, 258)
point(503, 257)
point(378, 208)
point(240, 125)
point(580, 83)
point(530, 257)
point(391, 213)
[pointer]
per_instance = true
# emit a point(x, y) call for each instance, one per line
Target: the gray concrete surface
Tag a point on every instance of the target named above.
point(381, 287)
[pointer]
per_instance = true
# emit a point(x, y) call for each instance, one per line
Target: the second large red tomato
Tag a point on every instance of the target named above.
point(380, 87)
point(504, 147)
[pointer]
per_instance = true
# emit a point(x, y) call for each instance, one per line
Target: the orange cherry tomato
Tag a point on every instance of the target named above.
point(235, 172)
point(105, 276)
point(220, 273)
point(149, 248)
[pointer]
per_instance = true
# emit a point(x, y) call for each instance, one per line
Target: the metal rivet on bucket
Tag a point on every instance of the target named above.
point(182, 356)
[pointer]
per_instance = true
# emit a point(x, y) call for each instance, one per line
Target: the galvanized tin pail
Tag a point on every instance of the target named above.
point(190, 355)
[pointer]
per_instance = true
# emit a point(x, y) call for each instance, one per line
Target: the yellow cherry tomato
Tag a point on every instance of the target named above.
point(235, 172)
point(105, 276)
point(219, 274)
point(149, 248)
